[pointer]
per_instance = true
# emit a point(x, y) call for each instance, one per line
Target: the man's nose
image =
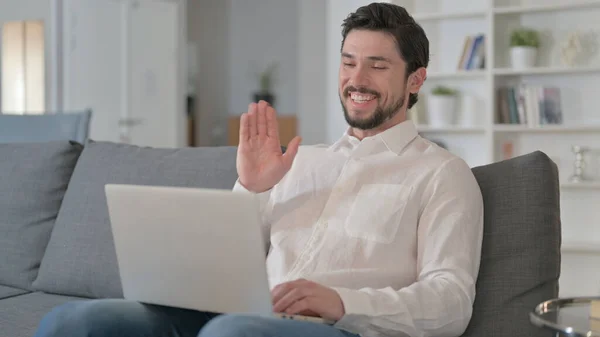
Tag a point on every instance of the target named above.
point(359, 77)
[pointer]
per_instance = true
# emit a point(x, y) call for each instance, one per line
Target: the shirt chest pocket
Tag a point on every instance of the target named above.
point(377, 212)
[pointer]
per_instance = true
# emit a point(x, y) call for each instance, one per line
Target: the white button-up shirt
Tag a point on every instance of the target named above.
point(393, 223)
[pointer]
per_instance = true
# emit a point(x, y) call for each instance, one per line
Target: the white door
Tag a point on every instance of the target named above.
point(122, 60)
point(157, 94)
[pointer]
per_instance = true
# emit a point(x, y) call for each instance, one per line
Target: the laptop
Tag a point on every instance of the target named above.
point(192, 248)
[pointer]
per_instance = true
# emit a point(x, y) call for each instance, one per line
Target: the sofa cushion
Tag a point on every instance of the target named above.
point(80, 259)
point(6, 292)
point(520, 264)
point(20, 316)
point(33, 181)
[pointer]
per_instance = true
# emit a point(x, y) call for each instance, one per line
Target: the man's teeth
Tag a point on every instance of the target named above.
point(361, 98)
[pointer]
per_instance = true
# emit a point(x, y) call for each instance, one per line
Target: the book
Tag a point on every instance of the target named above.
point(529, 105)
point(473, 54)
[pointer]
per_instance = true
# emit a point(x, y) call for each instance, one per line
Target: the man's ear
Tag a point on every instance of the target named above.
point(416, 80)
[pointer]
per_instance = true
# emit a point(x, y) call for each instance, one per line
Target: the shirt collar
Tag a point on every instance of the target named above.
point(395, 138)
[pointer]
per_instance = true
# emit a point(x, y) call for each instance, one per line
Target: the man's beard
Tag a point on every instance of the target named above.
point(380, 115)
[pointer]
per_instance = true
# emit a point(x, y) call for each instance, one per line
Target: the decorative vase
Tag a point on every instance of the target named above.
point(522, 57)
point(264, 96)
point(579, 174)
point(441, 110)
point(468, 111)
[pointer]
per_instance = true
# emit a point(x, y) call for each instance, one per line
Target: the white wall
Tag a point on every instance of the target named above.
point(24, 9)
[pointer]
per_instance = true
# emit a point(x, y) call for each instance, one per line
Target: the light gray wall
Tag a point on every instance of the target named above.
point(312, 70)
point(239, 38)
point(262, 32)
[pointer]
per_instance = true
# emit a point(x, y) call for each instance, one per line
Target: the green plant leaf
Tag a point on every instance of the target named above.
point(441, 90)
point(524, 37)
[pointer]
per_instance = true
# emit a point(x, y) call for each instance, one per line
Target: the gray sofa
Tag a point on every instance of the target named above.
point(56, 245)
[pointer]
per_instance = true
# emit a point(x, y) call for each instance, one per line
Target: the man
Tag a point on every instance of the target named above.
point(380, 232)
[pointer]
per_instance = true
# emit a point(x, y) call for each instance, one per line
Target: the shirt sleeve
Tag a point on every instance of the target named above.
point(439, 303)
point(264, 199)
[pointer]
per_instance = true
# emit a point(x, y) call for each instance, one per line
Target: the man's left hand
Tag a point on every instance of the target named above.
point(303, 297)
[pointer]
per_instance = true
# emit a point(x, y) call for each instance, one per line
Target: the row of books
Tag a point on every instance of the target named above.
point(473, 55)
point(530, 105)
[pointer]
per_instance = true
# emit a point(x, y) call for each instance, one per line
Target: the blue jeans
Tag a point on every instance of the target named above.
point(121, 318)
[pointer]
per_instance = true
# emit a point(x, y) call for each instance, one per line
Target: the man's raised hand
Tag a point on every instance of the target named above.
point(260, 161)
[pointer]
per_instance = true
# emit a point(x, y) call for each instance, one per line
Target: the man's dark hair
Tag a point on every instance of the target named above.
point(410, 37)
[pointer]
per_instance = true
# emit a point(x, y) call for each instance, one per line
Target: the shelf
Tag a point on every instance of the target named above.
point(451, 129)
point(547, 8)
point(448, 28)
point(546, 70)
point(454, 15)
point(461, 74)
point(581, 248)
point(546, 128)
point(588, 185)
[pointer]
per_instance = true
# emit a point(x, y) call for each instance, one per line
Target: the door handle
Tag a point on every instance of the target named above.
point(130, 122)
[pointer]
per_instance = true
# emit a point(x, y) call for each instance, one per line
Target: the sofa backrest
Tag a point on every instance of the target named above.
point(33, 181)
point(520, 264)
point(57, 126)
point(80, 259)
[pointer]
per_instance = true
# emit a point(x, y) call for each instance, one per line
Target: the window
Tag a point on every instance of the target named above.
point(23, 68)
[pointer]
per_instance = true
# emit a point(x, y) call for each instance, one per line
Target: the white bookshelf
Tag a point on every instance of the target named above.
point(556, 129)
point(581, 186)
point(448, 23)
point(457, 74)
point(545, 7)
point(553, 70)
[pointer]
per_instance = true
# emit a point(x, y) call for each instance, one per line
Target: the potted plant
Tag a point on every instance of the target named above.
point(265, 91)
point(441, 107)
point(524, 45)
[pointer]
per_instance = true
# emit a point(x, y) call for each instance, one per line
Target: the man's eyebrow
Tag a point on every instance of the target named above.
point(372, 58)
point(379, 58)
